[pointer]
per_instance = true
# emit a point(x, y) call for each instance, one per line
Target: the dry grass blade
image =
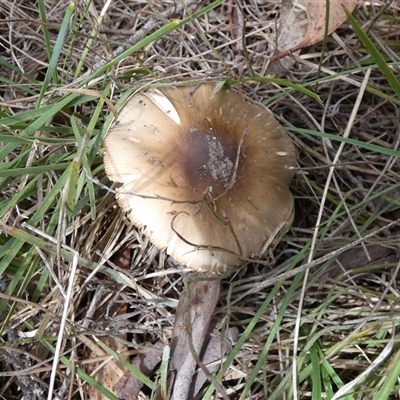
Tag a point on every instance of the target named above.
point(65, 70)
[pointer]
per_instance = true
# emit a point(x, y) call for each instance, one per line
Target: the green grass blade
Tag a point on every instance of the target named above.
point(354, 142)
point(316, 372)
point(277, 81)
point(25, 237)
point(376, 55)
point(166, 29)
point(143, 378)
point(271, 337)
point(16, 69)
point(45, 30)
point(250, 327)
point(392, 373)
point(80, 372)
point(58, 47)
point(32, 170)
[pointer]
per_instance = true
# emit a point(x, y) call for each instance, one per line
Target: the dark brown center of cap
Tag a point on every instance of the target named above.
point(208, 162)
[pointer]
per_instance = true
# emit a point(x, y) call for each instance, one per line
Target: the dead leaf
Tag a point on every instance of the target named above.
point(316, 17)
point(110, 372)
point(214, 349)
point(291, 28)
point(357, 258)
point(129, 385)
point(236, 23)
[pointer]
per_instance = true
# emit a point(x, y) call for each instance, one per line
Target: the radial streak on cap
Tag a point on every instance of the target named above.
point(207, 176)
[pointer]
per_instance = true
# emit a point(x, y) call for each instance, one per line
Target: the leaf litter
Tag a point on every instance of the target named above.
point(367, 183)
point(320, 22)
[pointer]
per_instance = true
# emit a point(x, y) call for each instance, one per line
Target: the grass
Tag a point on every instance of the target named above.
point(82, 289)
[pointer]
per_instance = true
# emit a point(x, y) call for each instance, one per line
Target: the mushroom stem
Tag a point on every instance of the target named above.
point(192, 323)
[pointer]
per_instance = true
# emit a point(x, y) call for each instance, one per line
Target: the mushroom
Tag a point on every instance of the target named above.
point(207, 174)
point(204, 170)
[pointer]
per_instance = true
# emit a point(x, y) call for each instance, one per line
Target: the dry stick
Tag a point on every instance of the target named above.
point(192, 321)
point(138, 35)
point(215, 286)
point(315, 236)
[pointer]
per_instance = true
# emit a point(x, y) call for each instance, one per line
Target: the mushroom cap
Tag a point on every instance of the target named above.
point(206, 173)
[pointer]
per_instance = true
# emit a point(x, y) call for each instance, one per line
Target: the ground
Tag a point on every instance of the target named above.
point(80, 281)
